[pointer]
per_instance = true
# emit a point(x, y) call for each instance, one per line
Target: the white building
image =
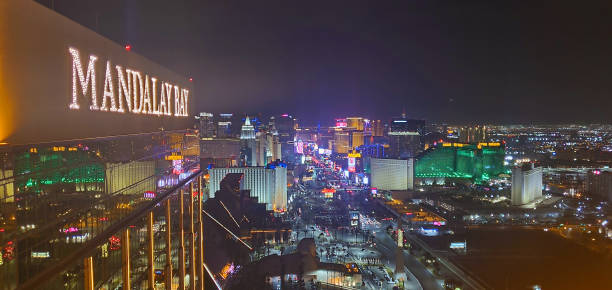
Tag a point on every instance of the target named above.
point(526, 184)
point(392, 174)
point(133, 177)
point(247, 131)
point(268, 184)
point(248, 143)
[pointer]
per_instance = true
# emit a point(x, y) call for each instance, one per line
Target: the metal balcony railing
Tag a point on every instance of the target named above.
point(106, 213)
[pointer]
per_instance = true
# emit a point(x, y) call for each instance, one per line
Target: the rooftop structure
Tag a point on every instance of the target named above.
point(247, 131)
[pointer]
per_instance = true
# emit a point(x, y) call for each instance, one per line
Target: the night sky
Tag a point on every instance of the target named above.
point(456, 61)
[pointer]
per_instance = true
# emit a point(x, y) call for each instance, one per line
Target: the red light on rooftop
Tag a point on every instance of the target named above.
point(128, 47)
point(191, 79)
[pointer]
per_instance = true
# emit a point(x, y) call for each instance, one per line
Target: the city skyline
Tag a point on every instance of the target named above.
point(417, 145)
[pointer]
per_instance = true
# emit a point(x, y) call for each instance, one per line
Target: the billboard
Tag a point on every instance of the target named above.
point(354, 218)
point(299, 147)
point(323, 151)
point(351, 164)
point(457, 245)
point(61, 81)
point(328, 192)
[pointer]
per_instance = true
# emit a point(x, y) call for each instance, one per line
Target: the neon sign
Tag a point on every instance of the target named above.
point(351, 164)
point(136, 92)
point(149, 194)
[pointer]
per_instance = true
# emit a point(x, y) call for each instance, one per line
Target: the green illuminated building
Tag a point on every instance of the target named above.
point(478, 162)
point(71, 168)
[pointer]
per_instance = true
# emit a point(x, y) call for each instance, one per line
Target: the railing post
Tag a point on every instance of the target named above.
point(168, 270)
point(200, 233)
point(181, 241)
point(192, 258)
point(151, 261)
point(125, 258)
point(89, 274)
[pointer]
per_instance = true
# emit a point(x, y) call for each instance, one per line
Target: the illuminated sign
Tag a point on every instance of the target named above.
point(125, 90)
point(457, 245)
point(341, 123)
point(453, 144)
point(351, 164)
point(299, 147)
point(173, 157)
point(149, 194)
point(71, 230)
point(328, 192)
point(354, 155)
point(40, 255)
point(490, 144)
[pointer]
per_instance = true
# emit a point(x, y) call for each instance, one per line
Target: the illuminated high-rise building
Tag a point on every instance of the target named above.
point(526, 184)
point(405, 137)
point(599, 184)
point(357, 123)
point(377, 128)
point(207, 127)
point(472, 134)
point(248, 144)
point(224, 125)
point(357, 139)
point(275, 145)
point(285, 125)
point(247, 131)
point(341, 141)
point(392, 174)
point(268, 184)
point(461, 161)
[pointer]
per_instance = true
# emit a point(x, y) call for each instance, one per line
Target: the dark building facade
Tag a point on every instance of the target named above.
point(405, 137)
